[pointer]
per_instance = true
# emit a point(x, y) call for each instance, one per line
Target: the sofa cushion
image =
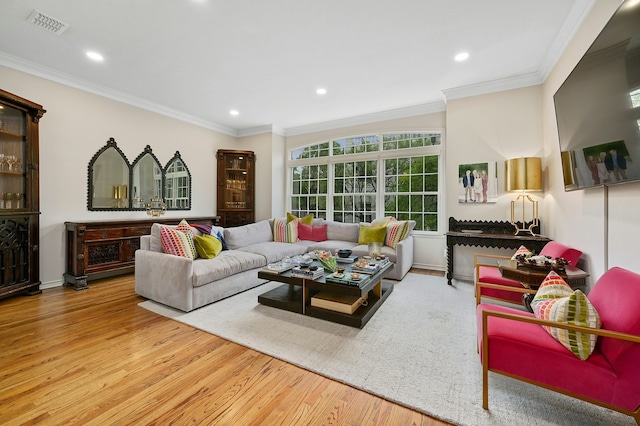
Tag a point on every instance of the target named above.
point(372, 234)
point(396, 232)
point(285, 232)
point(521, 250)
point(307, 220)
point(225, 264)
point(177, 243)
point(274, 251)
point(244, 235)
point(340, 231)
point(556, 301)
point(383, 221)
point(312, 233)
point(207, 246)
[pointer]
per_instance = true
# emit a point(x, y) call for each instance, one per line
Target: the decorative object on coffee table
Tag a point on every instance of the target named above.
point(327, 260)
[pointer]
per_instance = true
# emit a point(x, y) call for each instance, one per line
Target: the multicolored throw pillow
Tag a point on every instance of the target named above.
point(285, 232)
point(521, 250)
point(396, 232)
point(177, 243)
point(383, 221)
point(556, 301)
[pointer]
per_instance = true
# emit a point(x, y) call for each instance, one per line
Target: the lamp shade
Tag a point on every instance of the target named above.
point(523, 174)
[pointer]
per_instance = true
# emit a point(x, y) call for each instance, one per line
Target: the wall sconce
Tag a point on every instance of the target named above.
point(524, 174)
point(156, 207)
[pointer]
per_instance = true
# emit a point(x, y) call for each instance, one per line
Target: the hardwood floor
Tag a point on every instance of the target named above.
point(95, 357)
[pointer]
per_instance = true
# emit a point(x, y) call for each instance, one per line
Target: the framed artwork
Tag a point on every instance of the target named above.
point(478, 183)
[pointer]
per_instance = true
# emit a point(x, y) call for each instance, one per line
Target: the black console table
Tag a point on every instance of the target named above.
point(498, 234)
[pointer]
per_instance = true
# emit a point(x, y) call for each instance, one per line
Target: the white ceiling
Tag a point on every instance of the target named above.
point(198, 59)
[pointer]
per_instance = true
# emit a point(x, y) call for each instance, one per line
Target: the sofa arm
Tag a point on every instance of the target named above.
point(404, 258)
point(165, 278)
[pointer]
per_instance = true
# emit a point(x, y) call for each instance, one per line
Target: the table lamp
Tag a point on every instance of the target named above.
point(524, 174)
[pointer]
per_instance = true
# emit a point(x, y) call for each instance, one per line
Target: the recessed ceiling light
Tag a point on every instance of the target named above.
point(95, 56)
point(463, 56)
point(234, 112)
point(321, 91)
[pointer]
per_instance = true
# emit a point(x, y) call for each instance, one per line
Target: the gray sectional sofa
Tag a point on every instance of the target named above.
point(187, 284)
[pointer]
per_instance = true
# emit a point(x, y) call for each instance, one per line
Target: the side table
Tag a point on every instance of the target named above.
point(532, 277)
point(497, 234)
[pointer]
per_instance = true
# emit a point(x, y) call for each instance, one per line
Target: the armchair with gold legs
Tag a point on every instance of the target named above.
point(514, 343)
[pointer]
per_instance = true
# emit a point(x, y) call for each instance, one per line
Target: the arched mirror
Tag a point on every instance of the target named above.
point(177, 184)
point(146, 181)
point(109, 173)
point(114, 184)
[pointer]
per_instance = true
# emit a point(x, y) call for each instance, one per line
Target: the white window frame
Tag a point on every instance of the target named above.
point(380, 155)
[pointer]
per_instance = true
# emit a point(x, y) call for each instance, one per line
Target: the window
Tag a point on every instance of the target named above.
point(309, 193)
point(364, 177)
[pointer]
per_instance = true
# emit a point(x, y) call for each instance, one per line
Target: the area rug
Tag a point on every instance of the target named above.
point(418, 350)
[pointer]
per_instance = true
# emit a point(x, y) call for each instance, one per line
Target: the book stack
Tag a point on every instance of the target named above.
point(302, 272)
point(349, 259)
point(365, 268)
point(383, 261)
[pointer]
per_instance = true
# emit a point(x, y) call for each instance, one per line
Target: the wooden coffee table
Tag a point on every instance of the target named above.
point(296, 293)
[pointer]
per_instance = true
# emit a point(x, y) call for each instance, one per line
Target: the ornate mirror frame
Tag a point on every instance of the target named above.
point(177, 184)
point(108, 179)
point(116, 185)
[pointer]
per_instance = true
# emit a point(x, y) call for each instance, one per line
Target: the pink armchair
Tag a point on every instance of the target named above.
point(490, 283)
point(513, 343)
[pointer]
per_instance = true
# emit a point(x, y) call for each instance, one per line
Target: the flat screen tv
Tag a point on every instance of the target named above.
point(598, 107)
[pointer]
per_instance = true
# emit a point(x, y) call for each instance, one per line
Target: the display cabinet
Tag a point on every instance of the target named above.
point(236, 187)
point(19, 195)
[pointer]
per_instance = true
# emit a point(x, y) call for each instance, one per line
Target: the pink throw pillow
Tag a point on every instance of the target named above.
point(312, 233)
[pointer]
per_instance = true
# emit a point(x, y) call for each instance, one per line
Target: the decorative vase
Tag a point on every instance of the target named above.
point(327, 260)
point(375, 249)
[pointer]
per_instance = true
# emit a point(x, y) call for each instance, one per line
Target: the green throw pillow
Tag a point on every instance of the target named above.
point(372, 234)
point(207, 246)
point(307, 220)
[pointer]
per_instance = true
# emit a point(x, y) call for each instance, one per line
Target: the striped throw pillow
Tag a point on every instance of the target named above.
point(556, 301)
point(284, 232)
point(396, 232)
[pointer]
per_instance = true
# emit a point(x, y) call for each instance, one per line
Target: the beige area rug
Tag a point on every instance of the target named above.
point(418, 350)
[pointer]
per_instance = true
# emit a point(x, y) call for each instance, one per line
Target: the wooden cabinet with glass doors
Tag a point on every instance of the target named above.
point(19, 195)
point(236, 185)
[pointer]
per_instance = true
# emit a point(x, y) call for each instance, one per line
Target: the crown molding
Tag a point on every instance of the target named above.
point(13, 62)
point(508, 83)
point(267, 128)
point(393, 114)
point(577, 15)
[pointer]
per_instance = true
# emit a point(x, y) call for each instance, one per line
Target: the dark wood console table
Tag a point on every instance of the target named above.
point(100, 249)
point(497, 234)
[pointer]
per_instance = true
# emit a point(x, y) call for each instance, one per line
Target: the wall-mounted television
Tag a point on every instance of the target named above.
point(598, 107)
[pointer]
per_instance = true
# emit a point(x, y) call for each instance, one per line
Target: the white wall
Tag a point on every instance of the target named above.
point(77, 124)
point(490, 128)
point(579, 218)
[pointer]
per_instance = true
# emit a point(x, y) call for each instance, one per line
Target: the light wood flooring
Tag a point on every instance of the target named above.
point(94, 357)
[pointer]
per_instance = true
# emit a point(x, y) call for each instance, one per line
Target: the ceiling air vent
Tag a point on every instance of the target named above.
point(47, 22)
